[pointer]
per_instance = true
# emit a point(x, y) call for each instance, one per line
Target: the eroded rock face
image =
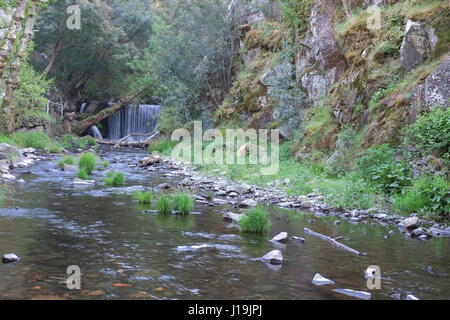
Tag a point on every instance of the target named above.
point(417, 46)
point(434, 90)
point(320, 52)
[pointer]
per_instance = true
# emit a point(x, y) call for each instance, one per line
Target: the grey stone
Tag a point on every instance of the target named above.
point(6, 151)
point(273, 257)
point(409, 224)
point(281, 237)
point(248, 203)
point(417, 46)
point(233, 217)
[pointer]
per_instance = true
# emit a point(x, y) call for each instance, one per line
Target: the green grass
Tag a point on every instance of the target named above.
point(115, 179)
point(164, 147)
point(255, 221)
point(67, 140)
point(66, 160)
point(7, 140)
point(105, 164)
point(182, 202)
point(87, 162)
point(144, 197)
point(82, 174)
point(36, 140)
point(164, 205)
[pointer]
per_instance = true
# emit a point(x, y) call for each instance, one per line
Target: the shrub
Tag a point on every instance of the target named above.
point(144, 197)
point(82, 174)
point(182, 202)
point(87, 162)
point(431, 132)
point(255, 221)
point(114, 179)
point(66, 160)
point(6, 139)
point(164, 205)
point(35, 140)
point(391, 178)
point(374, 157)
point(429, 195)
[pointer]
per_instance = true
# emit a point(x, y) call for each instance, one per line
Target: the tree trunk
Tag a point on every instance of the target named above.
point(12, 82)
point(56, 48)
point(81, 126)
point(11, 35)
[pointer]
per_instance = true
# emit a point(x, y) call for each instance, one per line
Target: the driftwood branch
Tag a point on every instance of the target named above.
point(334, 242)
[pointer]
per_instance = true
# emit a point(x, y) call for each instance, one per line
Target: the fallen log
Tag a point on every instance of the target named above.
point(81, 126)
point(123, 143)
point(334, 242)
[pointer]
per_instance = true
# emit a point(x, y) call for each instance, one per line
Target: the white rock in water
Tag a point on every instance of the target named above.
point(353, 293)
point(196, 248)
point(10, 258)
point(286, 204)
point(411, 297)
point(281, 237)
point(8, 176)
point(248, 203)
point(319, 280)
point(230, 216)
point(83, 182)
point(274, 257)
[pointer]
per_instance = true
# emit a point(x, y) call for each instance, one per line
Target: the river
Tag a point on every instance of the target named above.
point(126, 251)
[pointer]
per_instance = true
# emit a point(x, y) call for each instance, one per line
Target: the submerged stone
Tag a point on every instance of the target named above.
point(10, 258)
point(320, 280)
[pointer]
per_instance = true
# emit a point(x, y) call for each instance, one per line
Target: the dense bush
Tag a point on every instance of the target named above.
point(87, 162)
point(114, 179)
point(35, 140)
point(429, 195)
point(255, 221)
point(431, 132)
point(373, 158)
point(392, 177)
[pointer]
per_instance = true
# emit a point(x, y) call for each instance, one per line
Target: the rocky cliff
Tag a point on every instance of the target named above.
point(372, 66)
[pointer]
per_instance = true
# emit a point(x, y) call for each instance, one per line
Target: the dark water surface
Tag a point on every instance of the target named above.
point(127, 253)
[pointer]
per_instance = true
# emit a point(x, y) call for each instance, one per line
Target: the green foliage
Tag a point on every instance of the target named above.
point(35, 140)
point(105, 164)
point(7, 140)
point(114, 179)
point(164, 205)
point(66, 160)
point(86, 142)
point(378, 166)
point(295, 13)
point(349, 193)
point(431, 132)
point(162, 146)
point(392, 177)
point(182, 202)
point(144, 197)
point(87, 162)
point(66, 141)
point(82, 174)
point(429, 195)
point(374, 157)
point(32, 88)
point(255, 221)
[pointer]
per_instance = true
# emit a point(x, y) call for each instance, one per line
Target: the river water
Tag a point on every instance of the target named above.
point(125, 251)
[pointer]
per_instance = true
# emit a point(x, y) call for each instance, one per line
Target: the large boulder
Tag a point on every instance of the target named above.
point(417, 46)
point(320, 62)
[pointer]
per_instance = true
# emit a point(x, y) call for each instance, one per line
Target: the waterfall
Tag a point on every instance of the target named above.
point(94, 131)
point(133, 118)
